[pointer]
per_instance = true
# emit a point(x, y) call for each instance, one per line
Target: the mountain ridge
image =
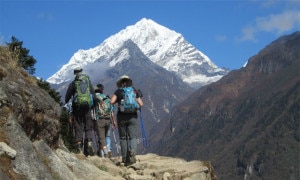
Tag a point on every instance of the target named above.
point(245, 121)
point(162, 46)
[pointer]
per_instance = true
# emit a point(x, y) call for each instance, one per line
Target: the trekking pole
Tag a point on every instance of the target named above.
point(96, 140)
point(116, 144)
point(83, 136)
point(112, 120)
point(95, 129)
point(93, 114)
point(71, 130)
point(144, 137)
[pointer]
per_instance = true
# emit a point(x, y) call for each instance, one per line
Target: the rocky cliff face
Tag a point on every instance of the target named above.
point(32, 108)
point(31, 146)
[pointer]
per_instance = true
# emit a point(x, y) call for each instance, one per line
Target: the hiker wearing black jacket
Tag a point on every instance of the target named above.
point(127, 123)
point(82, 119)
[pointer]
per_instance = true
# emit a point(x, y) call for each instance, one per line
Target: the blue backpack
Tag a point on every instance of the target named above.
point(128, 103)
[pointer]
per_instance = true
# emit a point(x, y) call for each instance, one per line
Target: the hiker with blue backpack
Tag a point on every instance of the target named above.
point(129, 101)
point(82, 92)
point(104, 119)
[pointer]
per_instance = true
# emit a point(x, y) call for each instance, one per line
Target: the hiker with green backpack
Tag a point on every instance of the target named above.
point(82, 92)
point(129, 102)
point(104, 118)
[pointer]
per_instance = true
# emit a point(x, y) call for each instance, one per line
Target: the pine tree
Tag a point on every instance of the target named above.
point(22, 54)
point(52, 92)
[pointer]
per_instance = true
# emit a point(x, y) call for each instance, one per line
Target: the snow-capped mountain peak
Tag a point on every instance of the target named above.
point(161, 45)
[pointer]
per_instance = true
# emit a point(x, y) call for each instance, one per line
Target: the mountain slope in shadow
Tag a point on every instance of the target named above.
point(247, 123)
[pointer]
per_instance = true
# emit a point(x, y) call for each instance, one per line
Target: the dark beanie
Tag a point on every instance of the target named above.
point(101, 87)
point(77, 70)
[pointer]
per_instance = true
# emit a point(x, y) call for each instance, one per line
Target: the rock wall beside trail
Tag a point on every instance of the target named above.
point(34, 109)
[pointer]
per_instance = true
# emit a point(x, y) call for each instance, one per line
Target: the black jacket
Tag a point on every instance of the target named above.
point(72, 90)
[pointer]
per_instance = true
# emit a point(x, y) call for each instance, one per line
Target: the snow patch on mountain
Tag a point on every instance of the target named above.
point(202, 78)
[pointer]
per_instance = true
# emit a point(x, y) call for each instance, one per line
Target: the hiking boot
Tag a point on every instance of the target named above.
point(105, 152)
point(91, 148)
point(99, 153)
point(120, 164)
point(123, 159)
point(125, 162)
point(109, 154)
point(132, 157)
point(79, 148)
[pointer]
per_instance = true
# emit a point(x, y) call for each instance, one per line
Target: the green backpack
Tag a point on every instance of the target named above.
point(104, 107)
point(82, 98)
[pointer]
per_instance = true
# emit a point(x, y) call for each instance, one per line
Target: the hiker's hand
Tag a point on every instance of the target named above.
point(70, 119)
point(114, 124)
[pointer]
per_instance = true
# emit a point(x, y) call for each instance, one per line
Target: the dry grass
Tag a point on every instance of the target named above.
point(39, 117)
point(30, 79)
point(3, 138)
point(3, 73)
point(12, 64)
point(210, 169)
point(4, 113)
point(8, 57)
point(6, 168)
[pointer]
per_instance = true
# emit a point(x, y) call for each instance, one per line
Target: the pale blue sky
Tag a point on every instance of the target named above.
point(228, 32)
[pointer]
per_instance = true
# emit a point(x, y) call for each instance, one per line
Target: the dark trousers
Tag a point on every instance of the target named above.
point(127, 126)
point(83, 124)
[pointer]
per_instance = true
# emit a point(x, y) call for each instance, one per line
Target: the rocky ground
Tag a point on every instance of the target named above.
point(41, 162)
